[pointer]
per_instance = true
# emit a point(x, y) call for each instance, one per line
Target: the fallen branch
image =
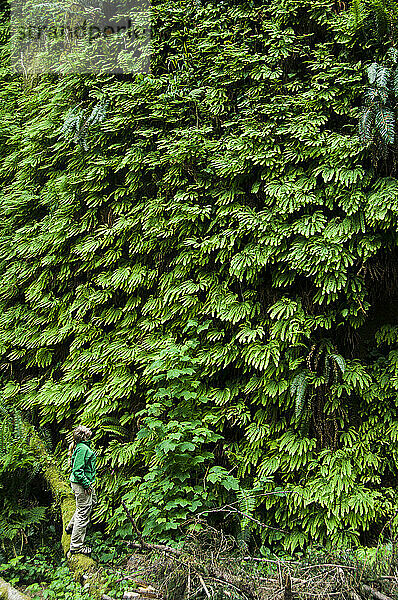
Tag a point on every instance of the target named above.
point(161, 547)
point(287, 594)
point(324, 565)
point(202, 583)
point(232, 510)
point(366, 589)
point(7, 592)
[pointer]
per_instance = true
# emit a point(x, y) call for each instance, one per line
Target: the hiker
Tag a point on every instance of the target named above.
point(82, 461)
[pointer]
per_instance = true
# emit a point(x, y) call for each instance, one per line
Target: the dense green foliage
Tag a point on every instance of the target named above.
point(43, 573)
point(20, 512)
point(219, 232)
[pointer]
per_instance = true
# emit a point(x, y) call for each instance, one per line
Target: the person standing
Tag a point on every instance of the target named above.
point(82, 460)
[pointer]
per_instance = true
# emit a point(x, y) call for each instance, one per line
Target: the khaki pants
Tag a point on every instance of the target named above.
point(81, 518)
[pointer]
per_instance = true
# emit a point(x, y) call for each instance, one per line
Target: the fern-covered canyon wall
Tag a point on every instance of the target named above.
point(201, 264)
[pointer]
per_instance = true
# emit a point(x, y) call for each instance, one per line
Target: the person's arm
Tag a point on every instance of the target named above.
point(78, 468)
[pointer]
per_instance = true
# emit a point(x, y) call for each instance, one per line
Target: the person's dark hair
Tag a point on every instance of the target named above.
point(80, 434)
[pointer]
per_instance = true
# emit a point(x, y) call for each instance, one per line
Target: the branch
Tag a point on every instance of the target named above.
point(231, 509)
point(354, 596)
point(374, 593)
point(202, 583)
point(144, 545)
point(7, 592)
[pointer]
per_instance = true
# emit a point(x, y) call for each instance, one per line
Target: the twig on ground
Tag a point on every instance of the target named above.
point(374, 593)
point(206, 591)
point(328, 565)
point(161, 547)
point(353, 595)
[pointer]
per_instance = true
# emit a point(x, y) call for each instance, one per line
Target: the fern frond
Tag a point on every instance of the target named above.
point(376, 94)
point(385, 123)
point(372, 71)
point(366, 124)
point(359, 12)
point(392, 55)
point(297, 390)
point(383, 74)
point(339, 360)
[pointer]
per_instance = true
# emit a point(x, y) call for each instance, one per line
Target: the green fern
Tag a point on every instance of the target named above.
point(298, 389)
point(377, 118)
point(77, 126)
point(385, 123)
point(366, 125)
point(339, 360)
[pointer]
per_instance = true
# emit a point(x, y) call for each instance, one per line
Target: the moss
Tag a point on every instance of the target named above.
point(84, 565)
point(60, 489)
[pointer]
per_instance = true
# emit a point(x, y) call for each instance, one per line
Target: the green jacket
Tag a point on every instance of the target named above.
point(83, 465)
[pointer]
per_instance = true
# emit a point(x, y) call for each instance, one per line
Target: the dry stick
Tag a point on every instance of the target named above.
point(354, 596)
point(143, 544)
point(294, 580)
point(125, 577)
point(269, 560)
point(276, 594)
point(161, 547)
point(230, 509)
point(266, 560)
point(189, 583)
point(327, 565)
point(287, 594)
point(280, 575)
point(316, 594)
point(227, 583)
point(374, 593)
point(204, 585)
point(242, 586)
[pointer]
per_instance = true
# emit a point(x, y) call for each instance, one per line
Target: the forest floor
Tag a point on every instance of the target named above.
point(211, 566)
